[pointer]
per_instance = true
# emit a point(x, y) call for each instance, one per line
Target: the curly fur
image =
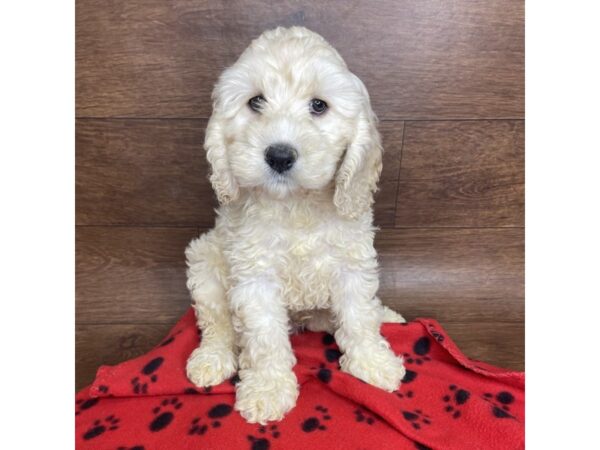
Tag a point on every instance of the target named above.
point(292, 250)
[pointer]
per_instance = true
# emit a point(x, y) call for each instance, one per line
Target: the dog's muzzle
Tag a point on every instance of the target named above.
point(280, 157)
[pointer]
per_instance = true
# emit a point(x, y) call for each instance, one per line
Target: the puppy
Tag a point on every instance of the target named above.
point(295, 157)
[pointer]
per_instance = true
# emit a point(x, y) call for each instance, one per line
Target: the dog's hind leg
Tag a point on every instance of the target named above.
point(215, 359)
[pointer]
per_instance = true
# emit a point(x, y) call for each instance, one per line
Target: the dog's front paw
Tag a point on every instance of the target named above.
point(377, 366)
point(211, 365)
point(261, 397)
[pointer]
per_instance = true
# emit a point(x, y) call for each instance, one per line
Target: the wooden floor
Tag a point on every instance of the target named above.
point(446, 80)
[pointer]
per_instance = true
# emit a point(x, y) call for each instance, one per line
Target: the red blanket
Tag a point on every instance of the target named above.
point(446, 401)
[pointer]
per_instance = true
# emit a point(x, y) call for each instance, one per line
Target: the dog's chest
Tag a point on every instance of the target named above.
point(306, 269)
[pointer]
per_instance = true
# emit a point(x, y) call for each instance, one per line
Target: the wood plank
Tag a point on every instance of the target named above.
point(501, 344)
point(462, 174)
point(131, 275)
point(419, 59)
point(137, 275)
point(142, 172)
point(454, 275)
point(385, 199)
point(110, 344)
point(154, 172)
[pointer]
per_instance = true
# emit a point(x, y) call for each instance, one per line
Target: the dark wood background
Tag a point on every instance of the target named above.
point(447, 81)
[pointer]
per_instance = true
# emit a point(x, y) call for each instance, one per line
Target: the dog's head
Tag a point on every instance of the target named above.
point(290, 116)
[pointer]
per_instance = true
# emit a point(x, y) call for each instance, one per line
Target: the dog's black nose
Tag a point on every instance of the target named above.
point(281, 157)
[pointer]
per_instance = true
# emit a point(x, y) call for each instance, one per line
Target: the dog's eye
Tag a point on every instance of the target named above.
point(317, 106)
point(256, 103)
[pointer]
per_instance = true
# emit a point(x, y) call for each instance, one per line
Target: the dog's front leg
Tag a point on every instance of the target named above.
point(268, 387)
point(366, 354)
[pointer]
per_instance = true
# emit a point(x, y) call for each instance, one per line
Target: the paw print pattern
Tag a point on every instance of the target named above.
point(313, 423)
point(169, 339)
point(219, 411)
point(416, 418)
point(194, 390)
point(140, 384)
point(407, 394)
point(323, 373)
point(257, 443)
point(100, 426)
point(262, 443)
point(420, 349)
point(500, 404)
point(436, 334)
point(164, 414)
point(82, 405)
point(332, 354)
point(197, 428)
point(421, 446)
point(409, 376)
point(455, 399)
point(273, 430)
point(362, 416)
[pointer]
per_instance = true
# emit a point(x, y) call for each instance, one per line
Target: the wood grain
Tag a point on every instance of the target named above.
point(137, 275)
point(453, 275)
point(142, 172)
point(419, 59)
point(392, 134)
point(501, 344)
point(462, 174)
point(154, 172)
point(131, 275)
point(110, 344)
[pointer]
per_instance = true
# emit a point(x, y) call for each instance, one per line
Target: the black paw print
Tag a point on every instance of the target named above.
point(258, 443)
point(500, 404)
point(216, 412)
point(323, 373)
point(313, 423)
point(100, 426)
point(273, 430)
point(140, 386)
point(362, 416)
point(219, 411)
point(420, 349)
point(197, 428)
point(332, 354)
point(164, 413)
point(169, 339)
point(421, 446)
point(416, 418)
point(262, 443)
point(409, 376)
point(455, 399)
point(436, 334)
point(82, 404)
point(407, 394)
point(194, 390)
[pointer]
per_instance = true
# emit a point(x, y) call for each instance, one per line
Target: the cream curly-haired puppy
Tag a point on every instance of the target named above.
point(295, 158)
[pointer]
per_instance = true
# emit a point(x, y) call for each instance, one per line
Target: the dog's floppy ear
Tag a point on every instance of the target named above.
point(356, 179)
point(221, 177)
